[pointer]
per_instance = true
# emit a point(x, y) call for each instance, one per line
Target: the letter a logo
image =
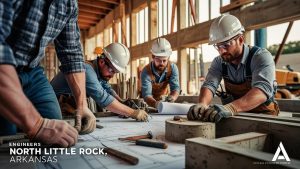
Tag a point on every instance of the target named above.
point(281, 157)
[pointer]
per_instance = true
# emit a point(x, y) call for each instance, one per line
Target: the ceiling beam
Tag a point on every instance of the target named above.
point(93, 10)
point(115, 2)
point(87, 21)
point(96, 4)
point(89, 15)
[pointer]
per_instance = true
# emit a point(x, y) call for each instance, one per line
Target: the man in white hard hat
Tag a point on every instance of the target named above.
point(113, 60)
point(160, 75)
point(248, 73)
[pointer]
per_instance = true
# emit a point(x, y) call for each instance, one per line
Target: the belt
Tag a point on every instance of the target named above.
point(23, 69)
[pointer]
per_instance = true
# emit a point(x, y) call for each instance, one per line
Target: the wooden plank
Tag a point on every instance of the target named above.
point(204, 153)
point(234, 5)
point(93, 10)
point(96, 4)
point(152, 17)
point(251, 140)
point(89, 15)
point(279, 131)
point(115, 2)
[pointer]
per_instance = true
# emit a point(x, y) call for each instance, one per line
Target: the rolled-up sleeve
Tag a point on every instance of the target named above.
point(263, 74)
point(146, 84)
point(68, 46)
point(214, 75)
point(6, 18)
point(174, 79)
point(95, 89)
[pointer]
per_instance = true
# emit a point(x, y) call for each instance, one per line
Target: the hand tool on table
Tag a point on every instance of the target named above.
point(144, 140)
point(149, 135)
point(123, 156)
point(151, 143)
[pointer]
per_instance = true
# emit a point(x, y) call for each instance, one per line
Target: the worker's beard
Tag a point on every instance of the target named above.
point(107, 77)
point(160, 67)
point(227, 57)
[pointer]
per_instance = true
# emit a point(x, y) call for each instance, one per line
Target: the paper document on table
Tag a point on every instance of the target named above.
point(173, 108)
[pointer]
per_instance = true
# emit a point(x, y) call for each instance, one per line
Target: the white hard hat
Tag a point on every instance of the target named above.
point(224, 28)
point(161, 47)
point(118, 54)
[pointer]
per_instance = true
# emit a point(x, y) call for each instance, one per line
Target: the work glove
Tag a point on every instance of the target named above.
point(85, 121)
point(139, 115)
point(216, 112)
point(57, 132)
point(169, 99)
point(195, 112)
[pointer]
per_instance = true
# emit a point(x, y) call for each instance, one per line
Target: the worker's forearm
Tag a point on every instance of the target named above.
point(174, 94)
point(150, 101)
point(119, 108)
point(76, 83)
point(252, 99)
point(14, 105)
point(205, 96)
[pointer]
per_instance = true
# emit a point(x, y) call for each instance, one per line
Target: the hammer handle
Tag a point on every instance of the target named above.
point(134, 138)
point(126, 157)
point(150, 143)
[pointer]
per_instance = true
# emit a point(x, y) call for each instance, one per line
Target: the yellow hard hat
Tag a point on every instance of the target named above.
point(98, 51)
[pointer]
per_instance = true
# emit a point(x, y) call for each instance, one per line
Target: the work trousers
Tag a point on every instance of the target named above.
point(39, 91)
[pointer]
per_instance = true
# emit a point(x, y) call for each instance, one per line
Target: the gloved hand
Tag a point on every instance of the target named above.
point(85, 121)
point(139, 115)
point(169, 99)
point(56, 132)
point(216, 112)
point(195, 112)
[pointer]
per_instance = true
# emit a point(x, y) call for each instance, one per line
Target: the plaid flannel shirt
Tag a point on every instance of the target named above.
point(27, 27)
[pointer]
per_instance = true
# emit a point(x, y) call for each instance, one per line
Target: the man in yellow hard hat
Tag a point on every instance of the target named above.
point(113, 59)
point(248, 73)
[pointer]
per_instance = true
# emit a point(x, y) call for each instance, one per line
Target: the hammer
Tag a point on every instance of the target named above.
point(149, 135)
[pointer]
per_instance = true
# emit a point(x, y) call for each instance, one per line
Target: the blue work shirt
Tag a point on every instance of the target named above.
point(96, 87)
point(27, 27)
point(147, 84)
point(262, 68)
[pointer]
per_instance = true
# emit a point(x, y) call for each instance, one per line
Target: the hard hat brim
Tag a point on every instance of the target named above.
point(164, 54)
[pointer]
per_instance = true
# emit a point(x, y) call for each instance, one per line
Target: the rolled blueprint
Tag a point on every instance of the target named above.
point(173, 108)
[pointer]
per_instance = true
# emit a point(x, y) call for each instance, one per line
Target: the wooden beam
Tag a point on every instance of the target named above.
point(89, 15)
point(87, 21)
point(253, 17)
point(84, 24)
point(234, 5)
point(174, 5)
point(96, 4)
point(152, 17)
point(93, 10)
point(115, 2)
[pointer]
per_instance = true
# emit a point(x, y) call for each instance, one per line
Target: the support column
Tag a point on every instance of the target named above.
point(260, 37)
point(182, 53)
point(152, 18)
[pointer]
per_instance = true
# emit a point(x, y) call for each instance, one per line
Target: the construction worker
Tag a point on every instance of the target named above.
point(28, 101)
point(113, 60)
point(248, 73)
point(160, 75)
